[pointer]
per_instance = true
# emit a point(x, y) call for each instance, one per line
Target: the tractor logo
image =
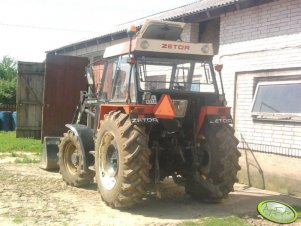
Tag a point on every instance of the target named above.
point(173, 46)
point(277, 212)
point(225, 120)
point(144, 120)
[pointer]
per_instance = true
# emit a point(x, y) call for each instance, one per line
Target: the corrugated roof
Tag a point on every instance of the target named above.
point(182, 11)
point(173, 14)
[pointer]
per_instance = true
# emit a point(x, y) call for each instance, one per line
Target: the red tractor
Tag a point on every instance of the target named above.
point(158, 111)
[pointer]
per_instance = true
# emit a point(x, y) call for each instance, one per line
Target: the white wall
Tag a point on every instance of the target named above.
point(190, 33)
point(264, 37)
point(286, 136)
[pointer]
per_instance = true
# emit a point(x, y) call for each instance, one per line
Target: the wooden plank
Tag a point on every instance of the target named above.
point(30, 128)
point(32, 88)
point(7, 107)
point(30, 102)
point(29, 99)
point(29, 133)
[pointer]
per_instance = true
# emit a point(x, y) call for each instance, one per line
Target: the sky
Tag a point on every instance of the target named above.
point(29, 28)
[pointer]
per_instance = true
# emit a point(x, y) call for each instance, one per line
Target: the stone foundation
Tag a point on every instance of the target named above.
point(281, 173)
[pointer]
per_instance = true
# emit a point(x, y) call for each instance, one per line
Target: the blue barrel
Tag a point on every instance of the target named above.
point(14, 120)
point(5, 119)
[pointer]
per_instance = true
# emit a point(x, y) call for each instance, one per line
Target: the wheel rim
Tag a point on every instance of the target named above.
point(108, 159)
point(72, 158)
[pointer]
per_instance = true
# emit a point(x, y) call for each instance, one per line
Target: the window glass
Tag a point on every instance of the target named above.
point(202, 79)
point(107, 83)
point(121, 81)
point(176, 74)
point(278, 98)
point(133, 86)
point(154, 76)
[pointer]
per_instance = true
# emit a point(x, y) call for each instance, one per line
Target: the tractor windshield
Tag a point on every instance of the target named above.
point(175, 74)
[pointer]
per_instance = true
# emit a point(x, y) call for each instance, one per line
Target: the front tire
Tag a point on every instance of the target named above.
point(70, 162)
point(121, 161)
point(219, 164)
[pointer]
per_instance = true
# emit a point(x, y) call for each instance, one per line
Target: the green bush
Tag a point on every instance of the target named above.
point(8, 91)
point(8, 79)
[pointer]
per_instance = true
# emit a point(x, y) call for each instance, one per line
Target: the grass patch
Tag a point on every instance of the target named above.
point(19, 217)
point(190, 223)
point(26, 159)
point(216, 221)
point(232, 220)
point(9, 143)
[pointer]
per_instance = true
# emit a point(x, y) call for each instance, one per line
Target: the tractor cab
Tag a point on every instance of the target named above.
point(156, 63)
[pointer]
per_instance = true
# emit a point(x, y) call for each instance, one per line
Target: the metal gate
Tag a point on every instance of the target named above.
point(64, 78)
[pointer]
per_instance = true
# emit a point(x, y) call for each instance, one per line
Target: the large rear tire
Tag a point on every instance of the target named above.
point(70, 162)
point(219, 166)
point(121, 161)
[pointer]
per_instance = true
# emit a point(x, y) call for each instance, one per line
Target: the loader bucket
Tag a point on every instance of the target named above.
point(49, 155)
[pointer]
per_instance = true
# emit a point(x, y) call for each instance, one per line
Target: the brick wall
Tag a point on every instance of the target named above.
point(264, 21)
point(284, 137)
point(261, 38)
point(209, 33)
point(191, 33)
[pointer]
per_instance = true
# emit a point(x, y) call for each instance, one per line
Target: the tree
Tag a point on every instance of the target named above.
point(8, 80)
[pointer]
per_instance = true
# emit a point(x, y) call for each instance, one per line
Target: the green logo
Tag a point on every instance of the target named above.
point(277, 212)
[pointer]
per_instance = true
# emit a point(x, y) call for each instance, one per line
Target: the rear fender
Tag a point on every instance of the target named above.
point(85, 137)
point(164, 109)
point(214, 115)
point(136, 109)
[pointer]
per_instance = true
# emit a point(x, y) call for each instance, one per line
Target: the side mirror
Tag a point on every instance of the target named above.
point(219, 68)
point(89, 76)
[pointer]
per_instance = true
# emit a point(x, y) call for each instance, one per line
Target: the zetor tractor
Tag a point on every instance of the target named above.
point(157, 111)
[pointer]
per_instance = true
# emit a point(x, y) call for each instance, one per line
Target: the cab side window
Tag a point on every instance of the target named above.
point(108, 79)
point(121, 81)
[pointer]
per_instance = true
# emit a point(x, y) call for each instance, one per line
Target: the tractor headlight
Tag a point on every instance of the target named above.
point(180, 106)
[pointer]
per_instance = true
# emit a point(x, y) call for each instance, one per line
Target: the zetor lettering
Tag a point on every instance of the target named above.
point(144, 120)
point(172, 46)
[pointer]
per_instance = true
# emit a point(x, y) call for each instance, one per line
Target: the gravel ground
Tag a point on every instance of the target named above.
point(31, 196)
